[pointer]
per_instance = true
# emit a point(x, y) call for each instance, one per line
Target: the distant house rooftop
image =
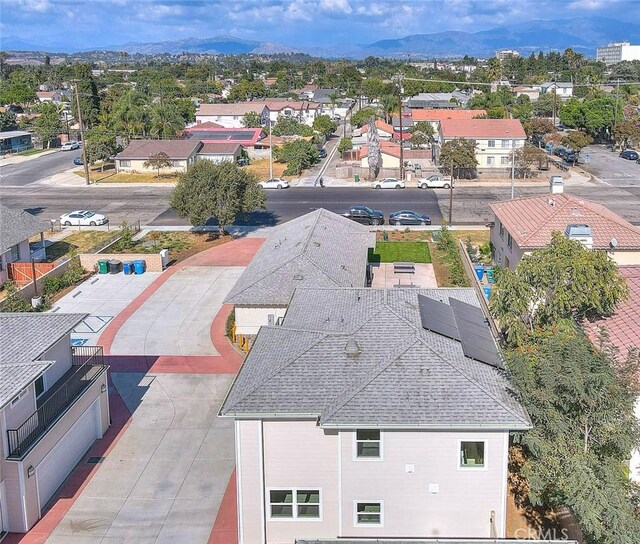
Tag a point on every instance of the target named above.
point(320, 249)
point(174, 149)
point(219, 148)
point(367, 357)
point(482, 128)
point(24, 337)
point(531, 221)
point(440, 114)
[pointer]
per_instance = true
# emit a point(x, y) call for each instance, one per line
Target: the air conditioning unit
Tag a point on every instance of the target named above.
point(580, 233)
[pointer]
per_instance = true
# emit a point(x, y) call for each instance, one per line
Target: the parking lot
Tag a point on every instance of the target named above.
point(609, 168)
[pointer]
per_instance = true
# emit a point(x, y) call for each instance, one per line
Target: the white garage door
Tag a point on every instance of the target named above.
point(57, 465)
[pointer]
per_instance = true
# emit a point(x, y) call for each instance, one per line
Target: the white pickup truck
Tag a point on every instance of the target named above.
point(435, 182)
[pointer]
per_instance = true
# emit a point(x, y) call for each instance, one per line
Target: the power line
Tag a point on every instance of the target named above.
point(612, 83)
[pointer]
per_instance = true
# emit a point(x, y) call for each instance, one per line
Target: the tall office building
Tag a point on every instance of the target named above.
point(617, 52)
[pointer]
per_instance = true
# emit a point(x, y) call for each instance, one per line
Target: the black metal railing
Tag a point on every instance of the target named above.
point(87, 365)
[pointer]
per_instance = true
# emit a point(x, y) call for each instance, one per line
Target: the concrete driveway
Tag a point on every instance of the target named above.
point(164, 480)
point(103, 296)
point(176, 319)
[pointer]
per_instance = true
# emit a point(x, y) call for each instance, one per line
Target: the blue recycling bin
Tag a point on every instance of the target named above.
point(139, 266)
point(489, 272)
point(479, 271)
point(487, 291)
point(127, 267)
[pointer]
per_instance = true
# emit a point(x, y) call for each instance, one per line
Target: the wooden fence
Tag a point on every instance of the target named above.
point(22, 273)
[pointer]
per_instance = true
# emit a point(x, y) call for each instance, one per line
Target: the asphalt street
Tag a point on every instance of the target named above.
point(611, 169)
point(26, 172)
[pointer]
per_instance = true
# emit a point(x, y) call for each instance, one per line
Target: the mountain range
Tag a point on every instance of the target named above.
point(582, 34)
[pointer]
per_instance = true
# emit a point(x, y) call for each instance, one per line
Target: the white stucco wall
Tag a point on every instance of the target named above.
point(249, 319)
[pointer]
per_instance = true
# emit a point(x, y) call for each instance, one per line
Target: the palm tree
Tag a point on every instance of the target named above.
point(388, 104)
point(166, 121)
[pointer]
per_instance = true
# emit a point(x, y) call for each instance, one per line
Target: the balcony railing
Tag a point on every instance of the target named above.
point(87, 364)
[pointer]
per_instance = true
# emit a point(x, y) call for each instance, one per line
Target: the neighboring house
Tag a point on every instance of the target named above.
point(624, 333)
point(230, 115)
point(390, 155)
point(447, 101)
point(56, 97)
point(532, 92)
point(526, 224)
point(54, 403)
point(14, 141)
point(247, 137)
point(182, 153)
point(16, 227)
point(385, 130)
point(562, 90)
point(220, 151)
point(435, 117)
point(319, 249)
point(303, 110)
point(495, 139)
point(365, 416)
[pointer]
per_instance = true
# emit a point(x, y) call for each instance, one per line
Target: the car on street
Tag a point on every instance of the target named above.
point(365, 215)
point(408, 217)
point(274, 183)
point(70, 146)
point(435, 182)
point(388, 183)
point(83, 218)
point(322, 153)
point(242, 161)
point(78, 161)
point(630, 155)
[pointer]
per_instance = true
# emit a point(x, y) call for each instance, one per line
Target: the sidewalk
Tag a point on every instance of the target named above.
point(15, 159)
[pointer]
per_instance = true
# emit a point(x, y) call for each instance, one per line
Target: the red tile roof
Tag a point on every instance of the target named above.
point(393, 149)
point(482, 128)
point(530, 221)
point(623, 326)
point(204, 126)
point(440, 115)
point(380, 125)
point(175, 149)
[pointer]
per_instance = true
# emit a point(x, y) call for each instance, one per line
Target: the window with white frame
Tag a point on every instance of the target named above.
point(491, 161)
point(294, 503)
point(125, 164)
point(505, 160)
point(491, 143)
point(472, 454)
point(368, 444)
point(506, 143)
point(368, 513)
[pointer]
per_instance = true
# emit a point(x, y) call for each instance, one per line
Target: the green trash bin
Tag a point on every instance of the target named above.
point(356, 178)
point(103, 266)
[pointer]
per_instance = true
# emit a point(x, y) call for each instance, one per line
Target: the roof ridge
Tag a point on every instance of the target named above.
point(560, 208)
point(468, 378)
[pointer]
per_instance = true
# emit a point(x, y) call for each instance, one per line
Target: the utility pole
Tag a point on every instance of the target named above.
point(615, 110)
point(400, 118)
point(270, 151)
point(84, 143)
point(451, 195)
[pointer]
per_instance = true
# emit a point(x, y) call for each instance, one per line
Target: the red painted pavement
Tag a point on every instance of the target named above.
point(225, 529)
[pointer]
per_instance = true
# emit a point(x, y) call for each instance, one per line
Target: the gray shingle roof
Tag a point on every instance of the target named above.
point(17, 225)
point(403, 374)
point(319, 249)
point(24, 337)
point(174, 149)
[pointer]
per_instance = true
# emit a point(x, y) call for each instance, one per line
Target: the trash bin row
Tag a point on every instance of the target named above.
point(114, 266)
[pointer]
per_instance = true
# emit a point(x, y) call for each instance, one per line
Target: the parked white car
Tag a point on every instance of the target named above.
point(274, 183)
point(84, 218)
point(435, 182)
point(388, 183)
point(70, 146)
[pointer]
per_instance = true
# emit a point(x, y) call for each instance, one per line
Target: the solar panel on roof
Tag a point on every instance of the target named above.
point(438, 317)
point(475, 335)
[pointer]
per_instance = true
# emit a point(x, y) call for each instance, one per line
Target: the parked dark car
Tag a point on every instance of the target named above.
point(366, 216)
point(243, 161)
point(322, 153)
point(630, 155)
point(78, 161)
point(408, 217)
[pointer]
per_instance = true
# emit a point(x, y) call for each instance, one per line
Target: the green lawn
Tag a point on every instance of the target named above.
point(33, 151)
point(393, 252)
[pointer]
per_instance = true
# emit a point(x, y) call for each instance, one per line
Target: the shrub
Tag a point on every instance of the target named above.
point(126, 236)
point(14, 301)
point(231, 321)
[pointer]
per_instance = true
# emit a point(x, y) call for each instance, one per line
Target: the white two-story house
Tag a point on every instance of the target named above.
point(376, 414)
point(496, 140)
point(231, 115)
point(54, 404)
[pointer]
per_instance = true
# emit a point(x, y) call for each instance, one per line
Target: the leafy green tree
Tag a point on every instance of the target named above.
point(388, 104)
point(361, 117)
point(577, 141)
point(324, 125)
point(522, 109)
point(222, 191)
point(251, 119)
point(99, 146)
point(186, 108)
point(374, 88)
point(561, 281)
point(88, 95)
point(291, 126)
point(8, 121)
point(247, 90)
point(16, 92)
point(130, 114)
point(461, 155)
point(543, 107)
point(298, 154)
point(527, 156)
point(627, 134)
point(537, 127)
point(580, 400)
point(345, 144)
point(166, 120)
point(422, 133)
point(158, 161)
point(48, 125)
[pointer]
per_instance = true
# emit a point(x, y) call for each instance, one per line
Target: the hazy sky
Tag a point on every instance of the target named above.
point(88, 23)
